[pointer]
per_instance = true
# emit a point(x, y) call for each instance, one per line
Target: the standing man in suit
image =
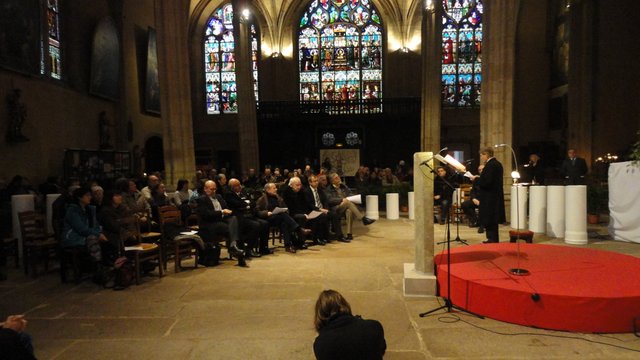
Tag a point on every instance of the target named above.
point(491, 195)
point(573, 169)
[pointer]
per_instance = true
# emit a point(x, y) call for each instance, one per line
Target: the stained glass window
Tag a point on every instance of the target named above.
point(461, 52)
point(340, 51)
point(220, 64)
point(51, 44)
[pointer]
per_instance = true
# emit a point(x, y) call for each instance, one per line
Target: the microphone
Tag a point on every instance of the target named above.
point(468, 161)
point(441, 150)
point(499, 145)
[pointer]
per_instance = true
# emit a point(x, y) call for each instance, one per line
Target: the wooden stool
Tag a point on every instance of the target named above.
point(526, 235)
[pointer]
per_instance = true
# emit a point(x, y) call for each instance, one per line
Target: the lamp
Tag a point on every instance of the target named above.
point(245, 14)
point(515, 175)
point(428, 5)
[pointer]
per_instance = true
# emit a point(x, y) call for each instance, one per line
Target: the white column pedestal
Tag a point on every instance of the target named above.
point(576, 215)
point(372, 211)
point(538, 209)
point(50, 199)
point(412, 205)
point(393, 206)
point(555, 211)
point(519, 195)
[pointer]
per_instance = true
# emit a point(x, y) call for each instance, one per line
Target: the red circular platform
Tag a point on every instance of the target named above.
point(577, 289)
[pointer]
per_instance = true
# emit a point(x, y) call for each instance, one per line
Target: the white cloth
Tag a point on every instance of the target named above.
point(624, 202)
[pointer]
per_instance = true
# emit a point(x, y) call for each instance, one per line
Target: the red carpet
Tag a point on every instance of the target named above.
point(579, 289)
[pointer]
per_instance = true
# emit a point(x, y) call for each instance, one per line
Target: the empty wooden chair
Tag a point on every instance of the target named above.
point(174, 243)
point(138, 254)
point(36, 242)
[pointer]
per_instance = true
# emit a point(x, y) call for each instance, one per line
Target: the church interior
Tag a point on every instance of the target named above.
point(101, 90)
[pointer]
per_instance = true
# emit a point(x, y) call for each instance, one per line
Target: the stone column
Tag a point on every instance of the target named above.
point(580, 109)
point(247, 119)
point(419, 277)
point(498, 64)
point(171, 20)
point(431, 77)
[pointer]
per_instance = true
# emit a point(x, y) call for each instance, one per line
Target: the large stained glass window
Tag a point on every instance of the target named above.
point(461, 53)
point(51, 63)
point(220, 64)
point(340, 51)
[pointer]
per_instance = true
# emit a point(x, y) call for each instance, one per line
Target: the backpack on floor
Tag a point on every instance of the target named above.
point(210, 255)
point(125, 273)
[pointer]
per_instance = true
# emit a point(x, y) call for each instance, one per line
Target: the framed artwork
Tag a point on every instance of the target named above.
point(20, 35)
point(152, 83)
point(105, 60)
point(344, 162)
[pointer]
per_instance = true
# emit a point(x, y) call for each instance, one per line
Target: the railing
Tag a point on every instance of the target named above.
point(285, 109)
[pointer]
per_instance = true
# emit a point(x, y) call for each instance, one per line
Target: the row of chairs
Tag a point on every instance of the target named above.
point(39, 246)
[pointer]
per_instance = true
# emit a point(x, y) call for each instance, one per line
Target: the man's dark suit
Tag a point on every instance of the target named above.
point(574, 171)
point(251, 227)
point(212, 224)
point(319, 225)
point(491, 196)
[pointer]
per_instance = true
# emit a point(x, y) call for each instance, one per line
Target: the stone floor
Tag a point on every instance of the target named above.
point(266, 311)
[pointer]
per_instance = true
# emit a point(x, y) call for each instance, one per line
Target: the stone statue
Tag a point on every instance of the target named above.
point(104, 127)
point(17, 117)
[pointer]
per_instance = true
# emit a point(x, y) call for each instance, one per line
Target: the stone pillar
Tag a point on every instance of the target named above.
point(580, 108)
point(171, 20)
point(247, 119)
point(431, 77)
point(419, 277)
point(498, 64)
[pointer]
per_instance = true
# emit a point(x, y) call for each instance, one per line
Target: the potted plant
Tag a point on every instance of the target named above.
point(597, 198)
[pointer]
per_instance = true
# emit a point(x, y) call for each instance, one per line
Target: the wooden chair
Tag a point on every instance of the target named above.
point(10, 245)
point(35, 240)
point(130, 229)
point(179, 247)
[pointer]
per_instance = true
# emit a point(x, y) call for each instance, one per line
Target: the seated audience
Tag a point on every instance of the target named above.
point(388, 179)
point(215, 220)
point(252, 228)
point(442, 193)
point(299, 208)
point(469, 206)
point(316, 200)
point(265, 206)
point(342, 335)
point(152, 181)
point(337, 194)
point(81, 229)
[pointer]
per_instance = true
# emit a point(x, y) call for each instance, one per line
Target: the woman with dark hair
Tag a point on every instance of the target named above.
point(342, 335)
point(182, 194)
point(81, 228)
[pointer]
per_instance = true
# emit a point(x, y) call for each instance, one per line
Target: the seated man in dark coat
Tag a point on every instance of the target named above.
point(265, 206)
point(337, 194)
point(316, 200)
point(299, 208)
point(442, 193)
point(215, 220)
point(252, 228)
point(469, 206)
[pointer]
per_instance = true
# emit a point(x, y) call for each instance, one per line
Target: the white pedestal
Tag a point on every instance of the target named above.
point(538, 209)
point(372, 207)
point(416, 283)
point(555, 211)
point(576, 215)
point(519, 195)
point(50, 199)
point(412, 205)
point(393, 206)
point(20, 203)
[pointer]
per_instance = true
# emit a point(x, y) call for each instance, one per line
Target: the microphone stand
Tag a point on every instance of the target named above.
point(448, 305)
